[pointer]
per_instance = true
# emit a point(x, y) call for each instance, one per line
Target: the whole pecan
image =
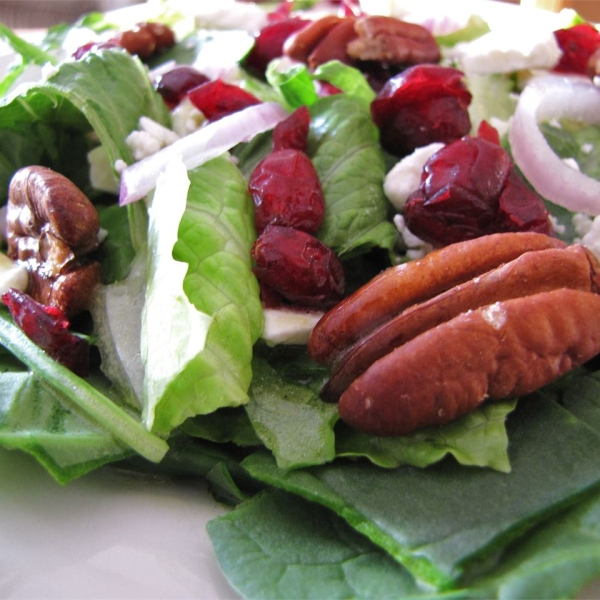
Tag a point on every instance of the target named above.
point(390, 40)
point(504, 329)
point(51, 227)
point(379, 39)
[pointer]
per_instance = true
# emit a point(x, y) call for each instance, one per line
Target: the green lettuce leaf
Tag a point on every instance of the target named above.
point(478, 439)
point(67, 423)
point(276, 543)
point(444, 521)
point(344, 147)
point(202, 313)
point(48, 123)
point(290, 419)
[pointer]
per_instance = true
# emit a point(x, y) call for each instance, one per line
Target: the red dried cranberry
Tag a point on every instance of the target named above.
point(578, 44)
point(286, 190)
point(176, 83)
point(468, 189)
point(298, 266)
point(47, 326)
point(268, 44)
point(92, 47)
point(293, 131)
point(217, 99)
point(422, 105)
point(324, 89)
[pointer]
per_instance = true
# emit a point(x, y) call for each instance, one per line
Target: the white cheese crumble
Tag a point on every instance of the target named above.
point(404, 177)
point(415, 247)
point(12, 275)
point(186, 118)
point(150, 138)
point(588, 230)
point(285, 326)
point(507, 51)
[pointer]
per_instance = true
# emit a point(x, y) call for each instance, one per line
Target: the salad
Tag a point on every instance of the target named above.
point(161, 323)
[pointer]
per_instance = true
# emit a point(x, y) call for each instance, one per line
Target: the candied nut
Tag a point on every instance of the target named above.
point(537, 271)
point(399, 287)
point(504, 330)
point(390, 40)
point(300, 44)
point(51, 227)
point(333, 45)
point(497, 351)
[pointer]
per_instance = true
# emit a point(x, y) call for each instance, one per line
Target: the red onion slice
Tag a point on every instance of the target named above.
point(139, 179)
point(543, 100)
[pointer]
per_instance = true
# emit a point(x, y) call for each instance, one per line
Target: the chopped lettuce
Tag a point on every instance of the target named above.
point(49, 123)
point(202, 313)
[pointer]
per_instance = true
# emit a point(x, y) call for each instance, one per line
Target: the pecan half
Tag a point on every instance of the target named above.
point(531, 273)
point(51, 227)
point(390, 40)
point(399, 287)
point(503, 349)
point(385, 40)
point(503, 330)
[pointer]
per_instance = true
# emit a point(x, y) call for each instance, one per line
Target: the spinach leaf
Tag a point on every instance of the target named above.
point(291, 420)
point(69, 425)
point(343, 144)
point(442, 521)
point(277, 545)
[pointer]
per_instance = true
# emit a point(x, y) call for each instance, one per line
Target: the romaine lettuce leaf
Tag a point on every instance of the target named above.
point(344, 147)
point(67, 423)
point(48, 123)
point(203, 312)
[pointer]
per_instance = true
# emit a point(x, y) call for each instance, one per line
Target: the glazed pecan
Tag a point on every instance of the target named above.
point(399, 287)
point(389, 40)
point(51, 227)
point(385, 40)
point(504, 329)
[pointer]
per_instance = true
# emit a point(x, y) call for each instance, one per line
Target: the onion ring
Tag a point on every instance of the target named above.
point(139, 179)
point(545, 99)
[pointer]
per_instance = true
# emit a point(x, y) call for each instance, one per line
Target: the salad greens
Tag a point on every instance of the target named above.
point(501, 503)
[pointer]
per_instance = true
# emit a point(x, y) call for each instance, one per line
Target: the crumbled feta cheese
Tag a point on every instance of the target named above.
point(288, 326)
point(186, 118)
point(12, 275)
point(415, 247)
point(227, 14)
point(403, 179)
point(102, 176)
point(588, 228)
point(507, 51)
point(150, 138)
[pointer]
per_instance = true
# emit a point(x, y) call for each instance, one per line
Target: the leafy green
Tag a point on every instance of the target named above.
point(294, 83)
point(478, 439)
point(343, 145)
point(36, 414)
point(200, 281)
point(276, 543)
point(291, 420)
point(475, 27)
point(443, 521)
point(49, 123)
point(346, 78)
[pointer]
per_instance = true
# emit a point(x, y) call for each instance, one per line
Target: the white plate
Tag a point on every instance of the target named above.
point(104, 537)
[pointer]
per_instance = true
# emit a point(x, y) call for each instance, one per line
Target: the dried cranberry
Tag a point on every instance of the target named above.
point(92, 47)
point(470, 188)
point(293, 131)
point(217, 99)
point(286, 190)
point(578, 44)
point(176, 83)
point(423, 104)
point(324, 89)
point(268, 44)
point(298, 266)
point(47, 326)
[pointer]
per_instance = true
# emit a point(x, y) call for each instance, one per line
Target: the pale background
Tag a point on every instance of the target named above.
point(42, 13)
